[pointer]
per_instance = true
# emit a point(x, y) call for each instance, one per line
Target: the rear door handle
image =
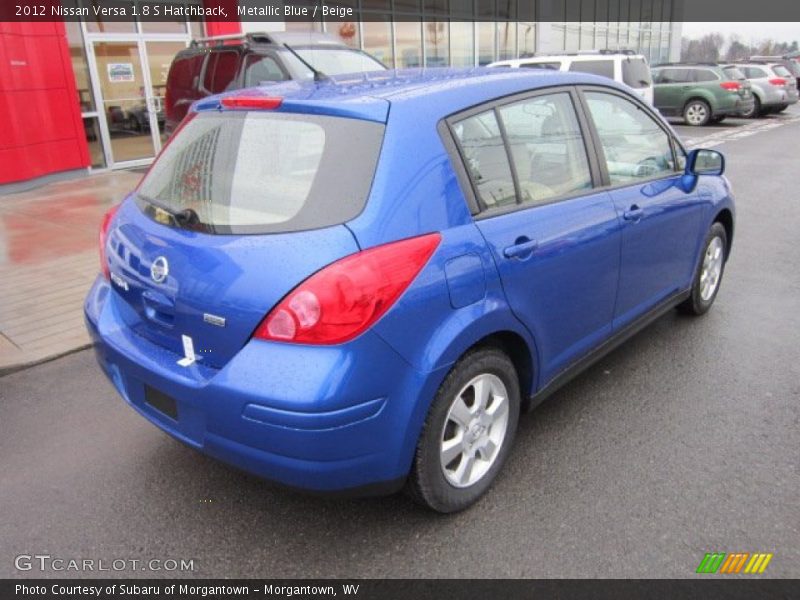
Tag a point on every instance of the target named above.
point(523, 248)
point(634, 213)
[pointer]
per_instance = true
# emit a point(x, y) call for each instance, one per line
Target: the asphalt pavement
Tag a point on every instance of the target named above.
point(686, 440)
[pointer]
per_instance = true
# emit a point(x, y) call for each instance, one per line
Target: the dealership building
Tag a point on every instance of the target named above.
point(77, 97)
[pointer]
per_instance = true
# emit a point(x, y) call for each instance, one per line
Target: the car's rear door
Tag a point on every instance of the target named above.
point(672, 87)
point(554, 238)
point(661, 221)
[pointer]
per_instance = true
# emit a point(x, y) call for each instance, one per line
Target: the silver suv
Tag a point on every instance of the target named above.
point(774, 87)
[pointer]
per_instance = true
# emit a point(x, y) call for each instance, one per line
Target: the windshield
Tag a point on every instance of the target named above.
point(635, 73)
point(258, 172)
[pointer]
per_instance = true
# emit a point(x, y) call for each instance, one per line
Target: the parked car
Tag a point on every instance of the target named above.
point(222, 63)
point(774, 87)
point(734, 73)
point(787, 61)
point(701, 93)
point(622, 66)
point(358, 286)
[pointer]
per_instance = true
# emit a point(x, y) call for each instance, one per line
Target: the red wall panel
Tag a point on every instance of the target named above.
point(40, 121)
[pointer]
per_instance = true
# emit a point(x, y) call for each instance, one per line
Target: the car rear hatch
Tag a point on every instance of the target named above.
point(241, 207)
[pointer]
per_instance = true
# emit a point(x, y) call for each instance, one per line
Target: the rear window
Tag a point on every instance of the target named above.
point(261, 172)
point(635, 73)
point(183, 71)
point(792, 67)
point(781, 71)
point(595, 67)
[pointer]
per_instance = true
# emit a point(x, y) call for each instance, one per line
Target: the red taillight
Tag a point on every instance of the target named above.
point(345, 298)
point(257, 102)
point(106, 222)
point(731, 86)
point(778, 81)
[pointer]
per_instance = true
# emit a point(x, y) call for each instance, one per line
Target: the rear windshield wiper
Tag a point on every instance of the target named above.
point(186, 218)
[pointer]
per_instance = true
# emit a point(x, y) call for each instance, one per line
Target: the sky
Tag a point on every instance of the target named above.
point(749, 32)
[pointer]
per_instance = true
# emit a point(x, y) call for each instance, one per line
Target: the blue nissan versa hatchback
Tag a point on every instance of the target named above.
point(356, 284)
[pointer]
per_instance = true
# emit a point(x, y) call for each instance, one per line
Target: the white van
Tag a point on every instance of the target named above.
point(624, 67)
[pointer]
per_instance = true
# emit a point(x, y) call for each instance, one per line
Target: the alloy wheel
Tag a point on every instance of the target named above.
point(712, 268)
point(474, 430)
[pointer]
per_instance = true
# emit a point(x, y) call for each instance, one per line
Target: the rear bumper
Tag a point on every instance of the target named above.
point(327, 419)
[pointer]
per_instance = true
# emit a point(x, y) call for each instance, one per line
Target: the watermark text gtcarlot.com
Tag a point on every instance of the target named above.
point(47, 562)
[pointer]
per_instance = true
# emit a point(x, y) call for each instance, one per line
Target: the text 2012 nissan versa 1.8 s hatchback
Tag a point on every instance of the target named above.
point(357, 285)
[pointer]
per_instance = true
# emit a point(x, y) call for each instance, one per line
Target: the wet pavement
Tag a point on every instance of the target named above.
point(48, 259)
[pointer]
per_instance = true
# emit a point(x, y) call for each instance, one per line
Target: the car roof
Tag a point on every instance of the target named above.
point(438, 91)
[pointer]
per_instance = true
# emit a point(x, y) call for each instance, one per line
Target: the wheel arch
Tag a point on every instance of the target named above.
point(725, 217)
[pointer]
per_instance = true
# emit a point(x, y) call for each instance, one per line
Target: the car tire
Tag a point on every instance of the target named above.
point(758, 110)
point(456, 446)
point(710, 269)
point(697, 113)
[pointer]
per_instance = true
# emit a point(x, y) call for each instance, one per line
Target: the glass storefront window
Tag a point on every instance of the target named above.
point(96, 24)
point(462, 44)
point(77, 53)
point(587, 36)
point(572, 40)
point(506, 40)
point(486, 33)
point(408, 41)
point(437, 44)
point(527, 39)
point(92, 129)
point(378, 40)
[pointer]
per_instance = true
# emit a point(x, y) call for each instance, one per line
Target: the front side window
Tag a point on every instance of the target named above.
point(547, 147)
point(604, 68)
point(674, 76)
point(635, 146)
point(486, 159)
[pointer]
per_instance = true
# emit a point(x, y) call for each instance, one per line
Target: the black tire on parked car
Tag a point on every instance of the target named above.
point(709, 273)
point(755, 111)
point(459, 426)
point(697, 112)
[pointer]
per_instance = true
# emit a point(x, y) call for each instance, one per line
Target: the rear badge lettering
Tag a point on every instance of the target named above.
point(119, 281)
point(214, 319)
point(188, 352)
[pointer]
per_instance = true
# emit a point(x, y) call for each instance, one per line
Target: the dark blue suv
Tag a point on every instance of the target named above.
point(357, 284)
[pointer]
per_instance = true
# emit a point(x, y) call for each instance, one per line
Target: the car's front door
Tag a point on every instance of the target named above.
point(661, 221)
point(555, 239)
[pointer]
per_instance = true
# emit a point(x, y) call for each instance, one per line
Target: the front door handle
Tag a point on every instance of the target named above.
point(523, 248)
point(634, 213)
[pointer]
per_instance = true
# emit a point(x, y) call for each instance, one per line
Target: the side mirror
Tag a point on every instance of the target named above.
point(705, 162)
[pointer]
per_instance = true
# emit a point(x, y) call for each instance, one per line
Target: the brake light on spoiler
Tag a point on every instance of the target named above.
point(252, 102)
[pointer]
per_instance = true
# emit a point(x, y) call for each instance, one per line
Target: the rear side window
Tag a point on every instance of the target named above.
point(220, 71)
point(734, 73)
point(674, 76)
point(547, 148)
point(595, 67)
point(635, 73)
point(260, 172)
point(702, 75)
point(486, 159)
